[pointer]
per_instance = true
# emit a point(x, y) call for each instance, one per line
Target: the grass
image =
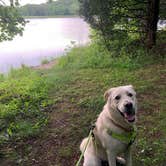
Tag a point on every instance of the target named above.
point(23, 94)
point(94, 57)
point(81, 79)
point(75, 87)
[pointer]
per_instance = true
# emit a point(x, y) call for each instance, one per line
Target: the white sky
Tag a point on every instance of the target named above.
point(23, 2)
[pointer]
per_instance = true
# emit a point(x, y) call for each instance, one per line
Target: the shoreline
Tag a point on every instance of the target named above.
point(45, 66)
point(41, 66)
point(58, 16)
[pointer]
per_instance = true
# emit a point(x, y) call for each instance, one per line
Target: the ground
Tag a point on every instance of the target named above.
point(78, 98)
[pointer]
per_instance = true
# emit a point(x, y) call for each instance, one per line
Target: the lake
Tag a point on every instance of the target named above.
point(43, 38)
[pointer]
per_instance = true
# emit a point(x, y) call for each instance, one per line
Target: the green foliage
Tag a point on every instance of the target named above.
point(23, 95)
point(11, 23)
point(51, 8)
point(45, 61)
point(115, 20)
point(94, 56)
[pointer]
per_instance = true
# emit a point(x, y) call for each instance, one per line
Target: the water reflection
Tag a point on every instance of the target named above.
point(43, 38)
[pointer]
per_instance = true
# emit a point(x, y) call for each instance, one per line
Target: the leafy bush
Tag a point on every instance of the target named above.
point(23, 94)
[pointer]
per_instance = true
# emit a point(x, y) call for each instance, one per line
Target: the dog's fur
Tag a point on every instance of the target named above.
point(120, 108)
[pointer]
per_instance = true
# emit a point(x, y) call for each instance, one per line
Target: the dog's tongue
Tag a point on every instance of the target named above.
point(130, 117)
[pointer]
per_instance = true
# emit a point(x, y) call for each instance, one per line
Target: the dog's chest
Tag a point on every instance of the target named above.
point(113, 144)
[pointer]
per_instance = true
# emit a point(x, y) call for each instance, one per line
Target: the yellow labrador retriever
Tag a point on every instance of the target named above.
point(114, 130)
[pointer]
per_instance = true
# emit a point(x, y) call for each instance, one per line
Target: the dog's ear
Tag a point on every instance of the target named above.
point(107, 94)
point(131, 86)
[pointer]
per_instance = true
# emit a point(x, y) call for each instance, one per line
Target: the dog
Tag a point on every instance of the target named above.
point(114, 131)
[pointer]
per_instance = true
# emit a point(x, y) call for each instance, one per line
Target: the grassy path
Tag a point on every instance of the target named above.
point(78, 98)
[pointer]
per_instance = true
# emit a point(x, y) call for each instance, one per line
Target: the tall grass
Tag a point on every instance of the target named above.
point(94, 56)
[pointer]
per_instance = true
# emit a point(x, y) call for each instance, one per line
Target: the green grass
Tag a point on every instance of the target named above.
point(75, 87)
point(95, 57)
point(85, 74)
point(23, 95)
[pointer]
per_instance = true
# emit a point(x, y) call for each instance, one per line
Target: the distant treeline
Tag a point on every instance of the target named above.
point(51, 8)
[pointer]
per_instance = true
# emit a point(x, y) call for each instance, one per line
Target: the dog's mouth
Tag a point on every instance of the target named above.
point(129, 117)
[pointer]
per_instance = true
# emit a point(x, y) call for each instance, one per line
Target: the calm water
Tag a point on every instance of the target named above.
point(42, 39)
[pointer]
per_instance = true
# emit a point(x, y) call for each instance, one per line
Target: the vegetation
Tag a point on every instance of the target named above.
point(11, 23)
point(70, 95)
point(45, 61)
point(51, 8)
point(44, 114)
point(79, 84)
point(118, 19)
point(23, 95)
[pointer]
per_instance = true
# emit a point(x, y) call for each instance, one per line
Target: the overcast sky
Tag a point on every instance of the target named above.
point(23, 2)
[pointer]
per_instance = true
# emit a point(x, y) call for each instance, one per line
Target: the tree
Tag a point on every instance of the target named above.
point(152, 20)
point(118, 18)
point(11, 23)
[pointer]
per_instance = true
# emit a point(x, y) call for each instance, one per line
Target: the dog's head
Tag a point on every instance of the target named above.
point(123, 101)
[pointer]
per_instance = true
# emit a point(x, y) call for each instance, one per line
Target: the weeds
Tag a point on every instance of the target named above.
point(23, 94)
point(93, 57)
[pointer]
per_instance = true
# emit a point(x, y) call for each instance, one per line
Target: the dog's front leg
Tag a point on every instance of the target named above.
point(128, 157)
point(111, 158)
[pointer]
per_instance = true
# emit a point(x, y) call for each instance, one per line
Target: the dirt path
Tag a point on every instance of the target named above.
point(48, 65)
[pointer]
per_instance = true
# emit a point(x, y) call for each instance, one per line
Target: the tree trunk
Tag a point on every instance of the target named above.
point(11, 3)
point(152, 20)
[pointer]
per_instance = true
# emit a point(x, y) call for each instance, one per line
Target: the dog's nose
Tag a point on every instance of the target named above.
point(129, 106)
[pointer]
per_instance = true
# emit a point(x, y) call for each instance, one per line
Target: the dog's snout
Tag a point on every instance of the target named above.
point(129, 106)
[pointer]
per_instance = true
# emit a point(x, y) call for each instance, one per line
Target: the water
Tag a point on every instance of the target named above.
point(42, 39)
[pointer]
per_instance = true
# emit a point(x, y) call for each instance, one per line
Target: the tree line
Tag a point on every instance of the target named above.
point(51, 8)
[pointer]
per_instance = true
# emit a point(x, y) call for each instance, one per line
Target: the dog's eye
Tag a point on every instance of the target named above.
point(130, 94)
point(117, 97)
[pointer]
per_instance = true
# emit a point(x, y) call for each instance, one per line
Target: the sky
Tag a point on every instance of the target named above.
point(24, 2)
